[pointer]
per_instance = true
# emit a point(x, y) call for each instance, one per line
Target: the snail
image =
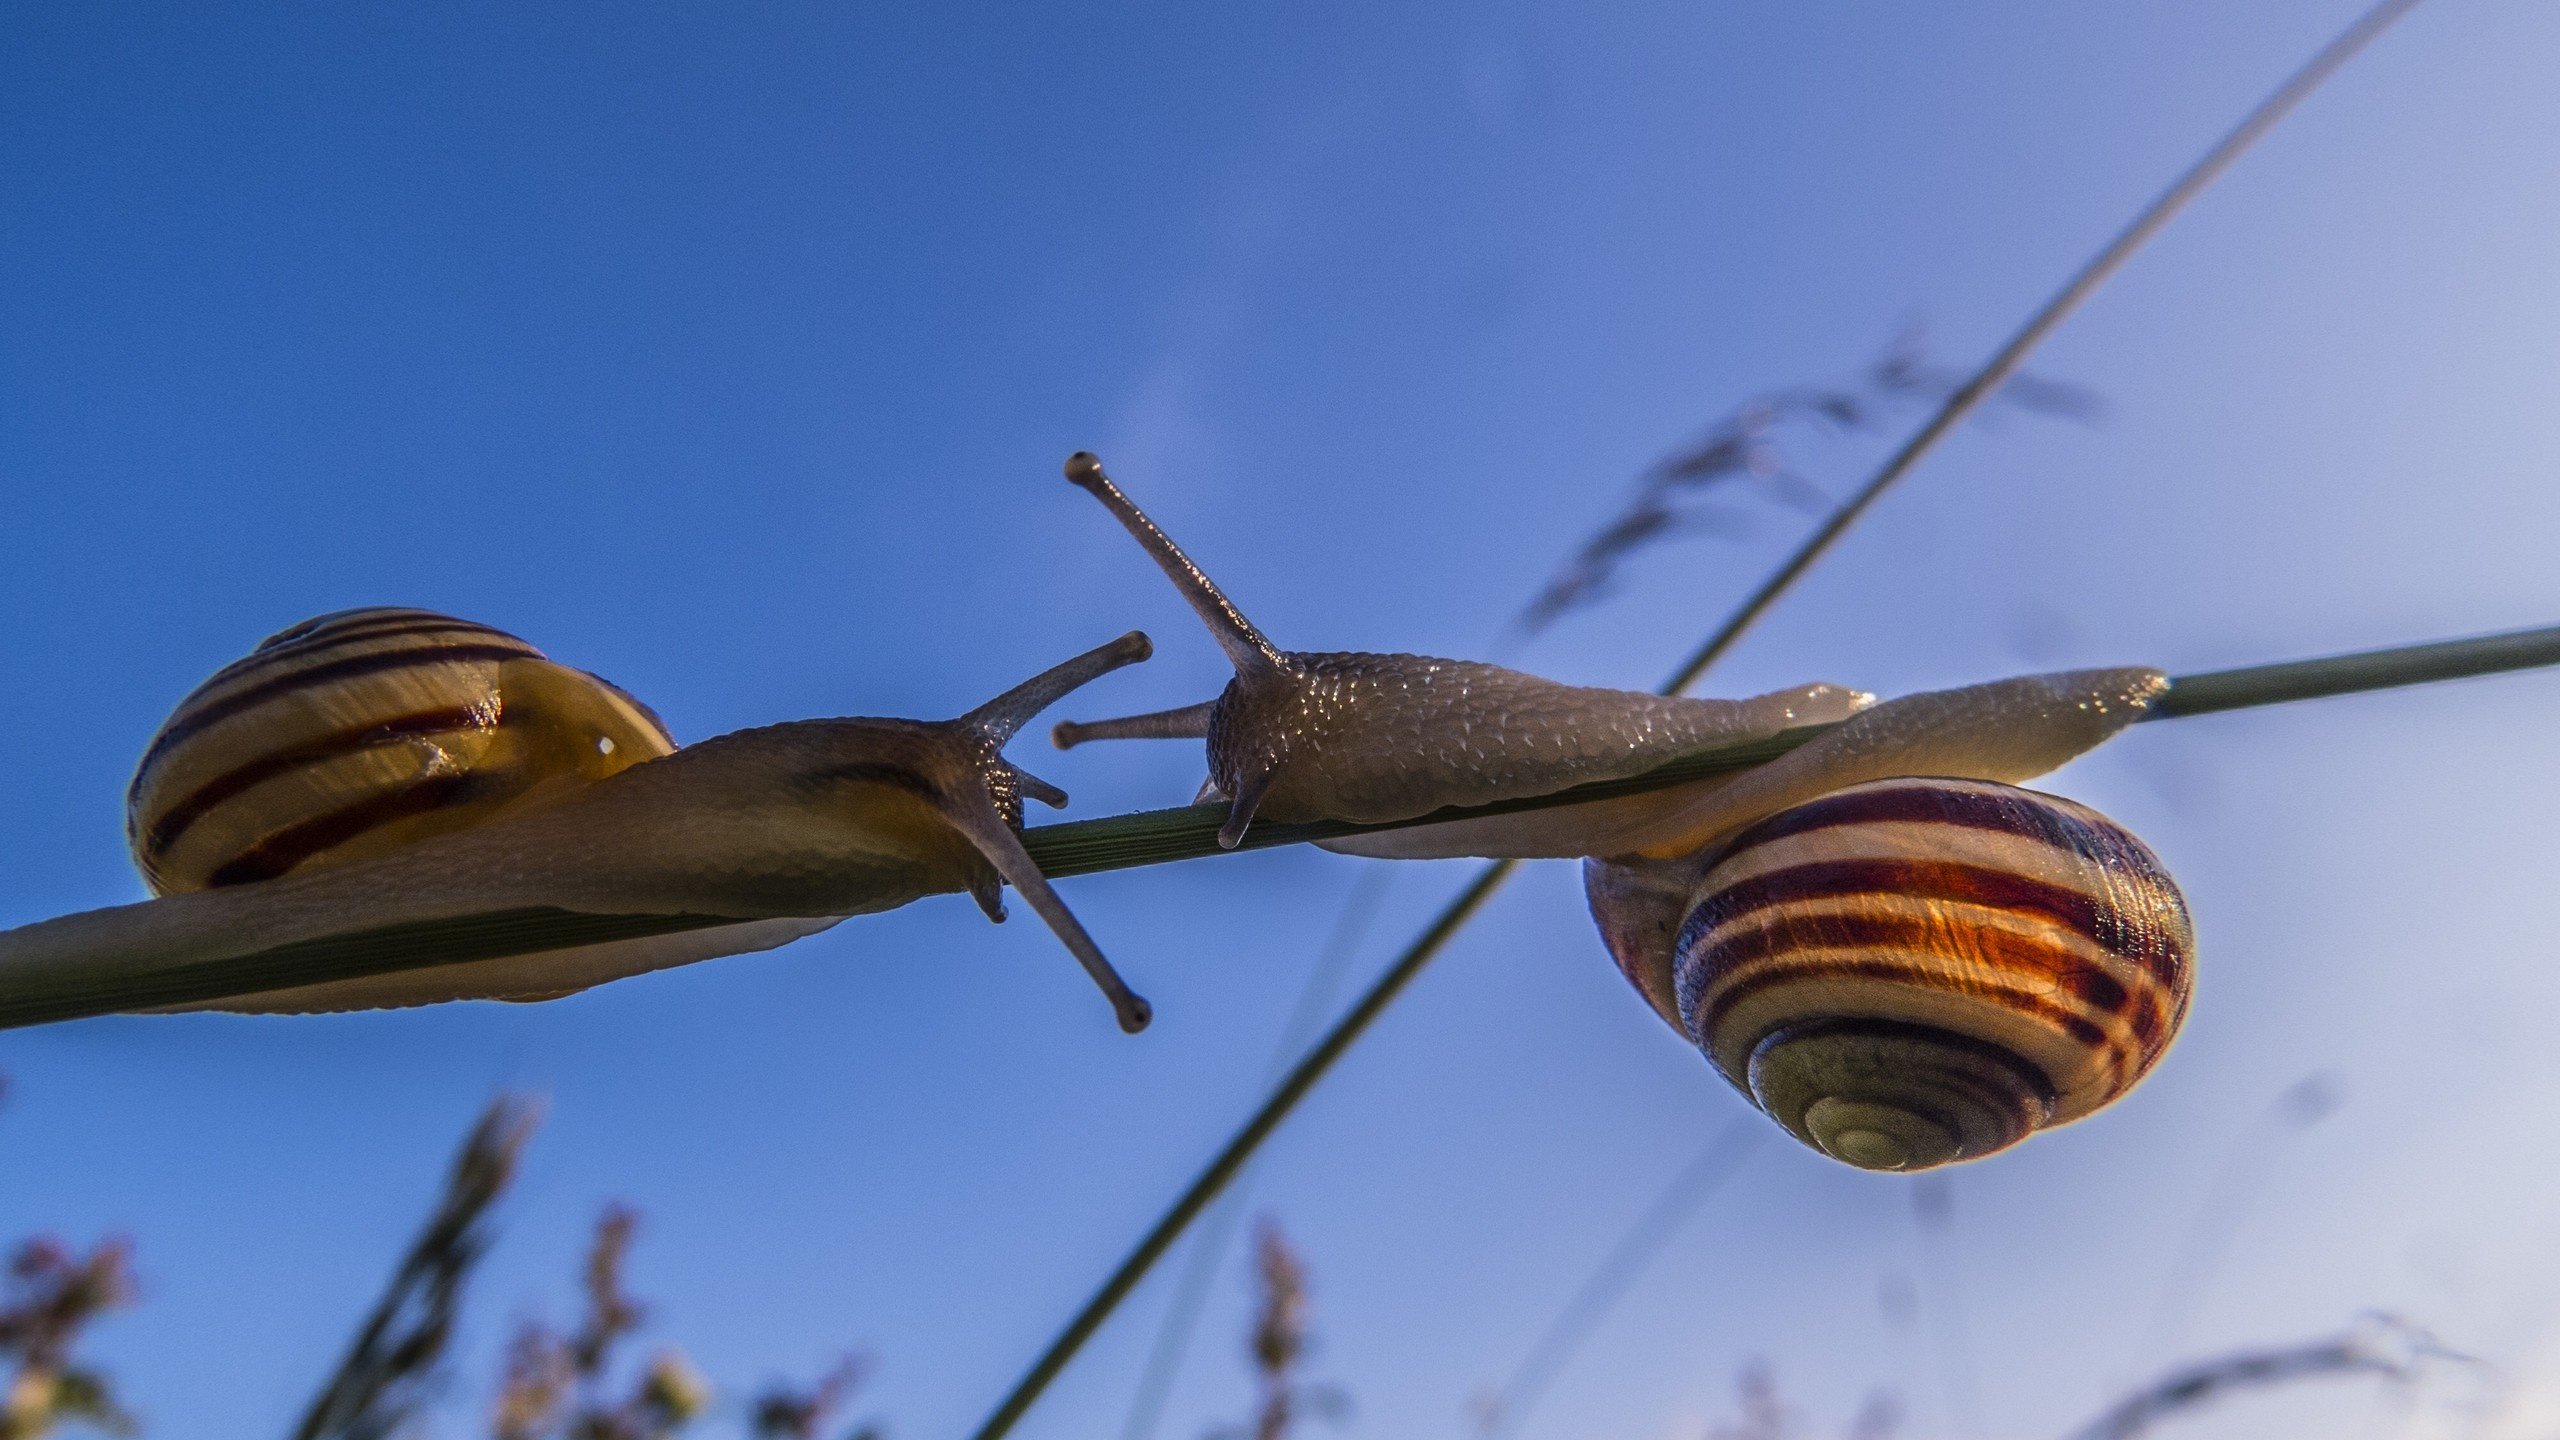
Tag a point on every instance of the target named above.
point(1961, 963)
point(1909, 972)
point(1349, 735)
point(376, 768)
point(1375, 738)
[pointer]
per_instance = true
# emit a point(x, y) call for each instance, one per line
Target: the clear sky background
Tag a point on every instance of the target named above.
point(731, 351)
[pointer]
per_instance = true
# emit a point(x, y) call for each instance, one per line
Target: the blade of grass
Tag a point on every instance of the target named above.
point(1962, 402)
point(1209, 1246)
point(1293, 1088)
point(2385, 1347)
point(376, 1391)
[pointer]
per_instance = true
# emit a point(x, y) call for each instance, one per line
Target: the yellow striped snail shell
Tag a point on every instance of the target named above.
point(1910, 972)
point(358, 732)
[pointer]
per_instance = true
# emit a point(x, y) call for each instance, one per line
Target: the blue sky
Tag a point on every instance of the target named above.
point(732, 352)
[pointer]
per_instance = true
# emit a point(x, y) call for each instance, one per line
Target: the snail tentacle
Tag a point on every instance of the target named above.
point(987, 889)
point(1245, 645)
point(1033, 787)
point(1189, 722)
point(1248, 790)
point(978, 819)
point(1004, 716)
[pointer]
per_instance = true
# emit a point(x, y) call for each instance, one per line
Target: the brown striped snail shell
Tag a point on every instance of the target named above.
point(358, 732)
point(379, 768)
point(1911, 972)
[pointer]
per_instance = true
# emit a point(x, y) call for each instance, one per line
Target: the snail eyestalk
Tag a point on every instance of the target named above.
point(1003, 849)
point(1236, 635)
point(1006, 714)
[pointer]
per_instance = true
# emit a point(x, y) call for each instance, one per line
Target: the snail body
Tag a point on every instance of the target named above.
point(1910, 972)
point(752, 838)
point(1372, 738)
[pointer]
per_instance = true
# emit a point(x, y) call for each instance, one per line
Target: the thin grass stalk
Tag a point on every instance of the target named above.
point(1300, 1080)
point(2183, 190)
point(1618, 1269)
point(1961, 403)
point(1208, 1248)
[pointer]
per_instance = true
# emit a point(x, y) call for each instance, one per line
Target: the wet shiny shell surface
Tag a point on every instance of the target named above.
point(355, 733)
point(1965, 959)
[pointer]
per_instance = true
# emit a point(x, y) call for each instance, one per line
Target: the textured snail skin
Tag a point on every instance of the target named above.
point(2008, 730)
point(1372, 738)
point(1377, 737)
point(1917, 971)
point(788, 829)
point(1640, 874)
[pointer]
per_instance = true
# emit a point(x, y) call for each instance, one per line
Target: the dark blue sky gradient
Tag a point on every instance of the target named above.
point(732, 352)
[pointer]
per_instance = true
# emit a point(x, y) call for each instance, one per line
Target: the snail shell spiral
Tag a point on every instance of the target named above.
point(1912, 972)
point(358, 732)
